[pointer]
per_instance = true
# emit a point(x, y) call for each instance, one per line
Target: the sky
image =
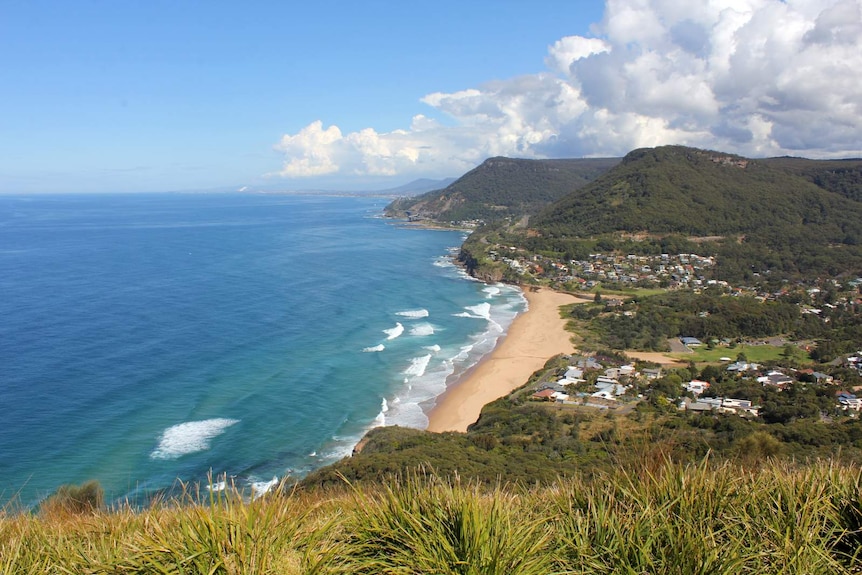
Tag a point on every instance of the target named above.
point(115, 96)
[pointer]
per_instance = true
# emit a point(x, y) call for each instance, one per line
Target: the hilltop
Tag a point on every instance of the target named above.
point(502, 188)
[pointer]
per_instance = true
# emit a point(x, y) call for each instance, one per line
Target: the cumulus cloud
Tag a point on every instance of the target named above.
point(755, 77)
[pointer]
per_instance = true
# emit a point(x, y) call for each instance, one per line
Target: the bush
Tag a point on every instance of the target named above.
point(81, 499)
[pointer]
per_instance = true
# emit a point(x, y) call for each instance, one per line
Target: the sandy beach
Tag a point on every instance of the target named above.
point(533, 338)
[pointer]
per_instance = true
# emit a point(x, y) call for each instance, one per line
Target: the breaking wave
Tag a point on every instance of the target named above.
point(394, 332)
point(418, 365)
point(414, 314)
point(423, 329)
point(189, 437)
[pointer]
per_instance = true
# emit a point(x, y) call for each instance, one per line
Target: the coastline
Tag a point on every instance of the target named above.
point(534, 337)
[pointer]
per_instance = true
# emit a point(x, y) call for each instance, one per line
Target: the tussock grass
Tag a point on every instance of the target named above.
point(658, 517)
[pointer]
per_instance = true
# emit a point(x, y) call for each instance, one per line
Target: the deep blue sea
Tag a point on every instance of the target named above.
point(150, 338)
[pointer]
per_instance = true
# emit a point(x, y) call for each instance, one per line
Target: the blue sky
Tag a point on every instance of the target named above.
point(149, 96)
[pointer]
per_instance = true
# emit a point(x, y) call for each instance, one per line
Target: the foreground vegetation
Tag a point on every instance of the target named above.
point(657, 517)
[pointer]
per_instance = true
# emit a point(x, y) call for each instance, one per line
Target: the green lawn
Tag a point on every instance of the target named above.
point(754, 353)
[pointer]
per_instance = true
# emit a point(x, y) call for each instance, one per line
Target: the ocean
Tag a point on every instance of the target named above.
point(148, 339)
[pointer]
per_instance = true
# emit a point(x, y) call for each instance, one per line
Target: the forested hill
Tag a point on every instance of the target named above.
point(841, 176)
point(695, 192)
point(503, 188)
point(759, 215)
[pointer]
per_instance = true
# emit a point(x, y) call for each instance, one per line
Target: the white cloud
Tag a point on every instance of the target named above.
point(756, 77)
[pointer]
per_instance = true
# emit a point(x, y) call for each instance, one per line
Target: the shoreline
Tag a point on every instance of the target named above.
point(534, 336)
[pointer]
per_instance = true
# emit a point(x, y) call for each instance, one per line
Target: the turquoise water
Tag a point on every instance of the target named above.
point(150, 338)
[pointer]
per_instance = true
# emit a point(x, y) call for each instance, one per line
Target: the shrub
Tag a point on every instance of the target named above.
point(81, 499)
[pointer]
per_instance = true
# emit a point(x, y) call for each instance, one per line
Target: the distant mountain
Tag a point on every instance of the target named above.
point(419, 186)
point(503, 188)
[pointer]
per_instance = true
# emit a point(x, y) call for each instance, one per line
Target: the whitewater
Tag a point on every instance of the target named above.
point(155, 337)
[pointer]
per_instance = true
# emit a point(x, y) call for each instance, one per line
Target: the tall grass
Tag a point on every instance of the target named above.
point(658, 518)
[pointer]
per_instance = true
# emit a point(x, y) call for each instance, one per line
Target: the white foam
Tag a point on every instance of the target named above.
point(414, 314)
point(418, 365)
point(422, 330)
point(261, 488)
point(189, 437)
point(424, 382)
point(491, 291)
point(380, 420)
point(217, 486)
point(394, 332)
point(480, 311)
point(379, 347)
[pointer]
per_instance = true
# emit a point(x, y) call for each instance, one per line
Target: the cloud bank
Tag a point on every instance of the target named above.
point(755, 77)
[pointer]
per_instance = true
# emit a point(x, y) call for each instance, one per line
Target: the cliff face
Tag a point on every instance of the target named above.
point(483, 272)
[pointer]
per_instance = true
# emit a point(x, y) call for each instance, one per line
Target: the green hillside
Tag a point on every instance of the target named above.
point(760, 216)
point(840, 176)
point(502, 188)
point(700, 193)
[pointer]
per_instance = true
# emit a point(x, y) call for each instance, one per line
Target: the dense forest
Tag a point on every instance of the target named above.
point(841, 176)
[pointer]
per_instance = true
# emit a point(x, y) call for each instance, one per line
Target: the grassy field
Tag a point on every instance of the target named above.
point(753, 353)
point(659, 518)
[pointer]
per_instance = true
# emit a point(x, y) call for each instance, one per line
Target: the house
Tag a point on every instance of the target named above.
point(720, 404)
point(688, 404)
point(696, 386)
point(691, 341)
point(613, 388)
point(627, 370)
point(742, 367)
point(588, 363)
point(652, 373)
point(544, 395)
point(574, 372)
point(739, 406)
point(849, 401)
point(776, 379)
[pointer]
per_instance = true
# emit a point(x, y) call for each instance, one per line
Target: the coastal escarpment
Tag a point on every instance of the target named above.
point(478, 268)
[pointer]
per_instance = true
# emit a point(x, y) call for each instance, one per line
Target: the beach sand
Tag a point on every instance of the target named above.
point(532, 339)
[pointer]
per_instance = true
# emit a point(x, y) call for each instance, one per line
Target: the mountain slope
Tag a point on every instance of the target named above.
point(502, 188)
point(840, 176)
point(694, 192)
